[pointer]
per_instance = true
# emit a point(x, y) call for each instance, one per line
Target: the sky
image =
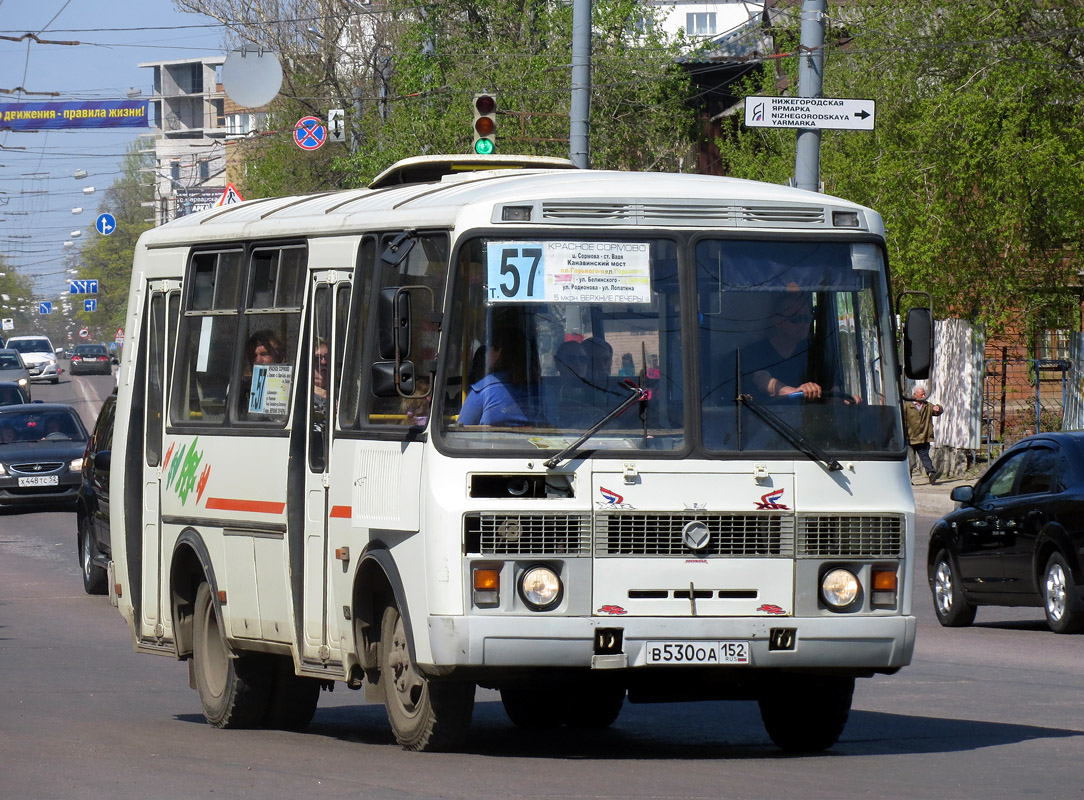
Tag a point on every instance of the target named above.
point(38, 187)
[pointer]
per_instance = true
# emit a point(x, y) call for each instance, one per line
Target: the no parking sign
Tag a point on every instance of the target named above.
point(310, 133)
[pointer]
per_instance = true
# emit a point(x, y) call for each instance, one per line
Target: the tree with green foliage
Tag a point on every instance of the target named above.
point(109, 258)
point(975, 162)
point(14, 285)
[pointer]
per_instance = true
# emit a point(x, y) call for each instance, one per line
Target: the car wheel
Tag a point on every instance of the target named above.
point(233, 690)
point(1061, 600)
point(952, 608)
point(94, 576)
point(806, 714)
point(424, 715)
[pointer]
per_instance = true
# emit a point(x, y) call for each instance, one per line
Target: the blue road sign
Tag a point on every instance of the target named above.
point(310, 133)
point(83, 287)
point(45, 308)
point(105, 224)
point(90, 305)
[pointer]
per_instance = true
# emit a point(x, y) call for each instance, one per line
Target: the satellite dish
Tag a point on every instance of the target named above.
point(251, 78)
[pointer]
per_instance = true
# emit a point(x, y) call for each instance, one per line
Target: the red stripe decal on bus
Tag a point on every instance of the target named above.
point(340, 512)
point(257, 506)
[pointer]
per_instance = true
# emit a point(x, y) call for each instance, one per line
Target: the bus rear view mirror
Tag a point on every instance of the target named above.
point(393, 318)
point(918, 344)
point(391, 381)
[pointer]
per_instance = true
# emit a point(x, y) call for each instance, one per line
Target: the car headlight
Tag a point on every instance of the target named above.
point(540, 587)
point(23, 381)
point(839, 588)
point(76, 464)
point(2, 470)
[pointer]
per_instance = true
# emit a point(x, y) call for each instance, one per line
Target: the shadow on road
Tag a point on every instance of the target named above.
point(687, 731)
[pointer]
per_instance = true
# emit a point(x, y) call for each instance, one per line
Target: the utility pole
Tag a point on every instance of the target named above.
point(579, 132)
point(807, 155)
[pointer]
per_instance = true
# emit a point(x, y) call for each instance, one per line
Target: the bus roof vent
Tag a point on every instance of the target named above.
point(595, 211)
point(776, 215)
point(688, 213)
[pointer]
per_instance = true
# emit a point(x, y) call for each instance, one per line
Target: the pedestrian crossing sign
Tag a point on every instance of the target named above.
point(229, 196)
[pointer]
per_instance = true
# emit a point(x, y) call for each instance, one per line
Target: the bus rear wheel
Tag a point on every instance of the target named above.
point(234, 690)
point(424, 715)
point(806, 714)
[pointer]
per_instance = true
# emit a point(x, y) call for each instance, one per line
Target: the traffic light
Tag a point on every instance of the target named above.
point(485, 123)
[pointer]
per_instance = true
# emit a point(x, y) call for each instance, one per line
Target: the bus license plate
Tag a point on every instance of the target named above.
point(39, 480)
point(734, 652)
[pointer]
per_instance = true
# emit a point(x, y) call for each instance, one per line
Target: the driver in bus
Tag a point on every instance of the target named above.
point(504, 395)
point(778, 365)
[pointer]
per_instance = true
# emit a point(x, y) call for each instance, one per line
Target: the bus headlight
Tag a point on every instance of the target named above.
point(839, 588)
point(540, 588)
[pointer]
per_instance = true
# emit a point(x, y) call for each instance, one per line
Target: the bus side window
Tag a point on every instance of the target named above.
point(208, 338)
point(425, 265)
point(359, 333)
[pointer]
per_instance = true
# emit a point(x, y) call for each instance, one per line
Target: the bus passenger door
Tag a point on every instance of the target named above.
point(326, 333)
point(162, 312)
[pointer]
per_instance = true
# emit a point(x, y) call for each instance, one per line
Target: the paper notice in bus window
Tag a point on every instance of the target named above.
point(568, 272)
point(269, 392)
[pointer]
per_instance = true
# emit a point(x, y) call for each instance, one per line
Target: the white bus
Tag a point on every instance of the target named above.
point(579, 436)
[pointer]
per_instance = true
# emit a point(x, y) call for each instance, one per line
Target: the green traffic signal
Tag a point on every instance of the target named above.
point(484, 147)
point(485, 124)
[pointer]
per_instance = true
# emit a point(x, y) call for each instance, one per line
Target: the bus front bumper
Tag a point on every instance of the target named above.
point(874, 643)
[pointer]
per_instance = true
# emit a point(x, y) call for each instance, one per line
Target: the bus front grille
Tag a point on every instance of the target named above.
point(851, 536)
point(636, 534)
point(528, 534)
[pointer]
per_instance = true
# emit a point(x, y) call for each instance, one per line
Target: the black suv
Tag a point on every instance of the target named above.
point(92, 505)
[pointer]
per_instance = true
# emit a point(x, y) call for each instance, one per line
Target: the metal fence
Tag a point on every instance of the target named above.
point(1022, 396)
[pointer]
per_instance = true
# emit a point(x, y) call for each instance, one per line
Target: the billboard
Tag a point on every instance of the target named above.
point(73, 114)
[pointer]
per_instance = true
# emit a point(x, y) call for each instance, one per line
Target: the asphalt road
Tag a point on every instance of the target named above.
point(991, 711)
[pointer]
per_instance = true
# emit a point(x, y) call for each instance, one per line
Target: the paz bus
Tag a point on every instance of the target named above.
point(503, 423)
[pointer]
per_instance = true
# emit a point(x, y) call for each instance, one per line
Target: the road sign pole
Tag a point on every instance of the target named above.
point(807, 154)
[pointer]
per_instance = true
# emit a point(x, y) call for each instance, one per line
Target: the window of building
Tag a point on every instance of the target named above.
point(701, 23)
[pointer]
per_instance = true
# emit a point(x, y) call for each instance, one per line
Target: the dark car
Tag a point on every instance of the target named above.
point(41, 453)
point(13, 369)
point(91, 359)
point(13, 394)
point(1016, 537)
point(92, 506)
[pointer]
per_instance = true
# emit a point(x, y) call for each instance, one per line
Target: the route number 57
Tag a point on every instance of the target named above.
point(518, 275)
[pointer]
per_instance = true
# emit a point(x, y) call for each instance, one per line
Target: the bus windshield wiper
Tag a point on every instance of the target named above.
point(638, 395)
point(790, 433)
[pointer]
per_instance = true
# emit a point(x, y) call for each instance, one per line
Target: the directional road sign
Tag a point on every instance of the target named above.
point(310, 133)
point(7, 324)
point(105, 224)
point(45, 308)
point(89, 304)
point(83, 287)
point(336, 125)
point(809, 113)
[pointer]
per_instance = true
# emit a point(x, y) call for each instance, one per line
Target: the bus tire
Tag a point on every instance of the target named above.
point(424, 715)
point(949, 603)
point(233, 689)
point(293, 698)
point(94, 576)
point(531, 708)
point(806, 714)
point(593, 706)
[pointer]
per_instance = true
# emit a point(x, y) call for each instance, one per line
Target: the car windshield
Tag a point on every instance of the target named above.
point(10, 361)
point(90, 350)
point(37, 426)
point(12, 395)
point(30, 345)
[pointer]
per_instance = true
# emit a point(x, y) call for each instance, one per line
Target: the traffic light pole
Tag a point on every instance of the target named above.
point(579, 133)
point(807, 156)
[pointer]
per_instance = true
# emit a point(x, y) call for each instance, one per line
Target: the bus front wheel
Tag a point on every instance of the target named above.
point(234, 690)
point(424, 715)
point(806, 714)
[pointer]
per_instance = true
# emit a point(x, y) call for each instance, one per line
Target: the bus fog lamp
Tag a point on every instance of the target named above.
point(540, 587)
point(839, 588)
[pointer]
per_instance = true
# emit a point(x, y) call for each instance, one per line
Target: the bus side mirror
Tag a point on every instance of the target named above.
point(918, 344)
point(391, 381)
point(393, 317)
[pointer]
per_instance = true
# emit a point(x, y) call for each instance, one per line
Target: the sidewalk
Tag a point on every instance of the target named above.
point(935, 499)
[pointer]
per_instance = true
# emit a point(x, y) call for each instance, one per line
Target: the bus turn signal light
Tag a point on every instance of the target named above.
point(487, 587)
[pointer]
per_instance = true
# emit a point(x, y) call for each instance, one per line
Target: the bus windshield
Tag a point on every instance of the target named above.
point(550, 331)
point(551, 335)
